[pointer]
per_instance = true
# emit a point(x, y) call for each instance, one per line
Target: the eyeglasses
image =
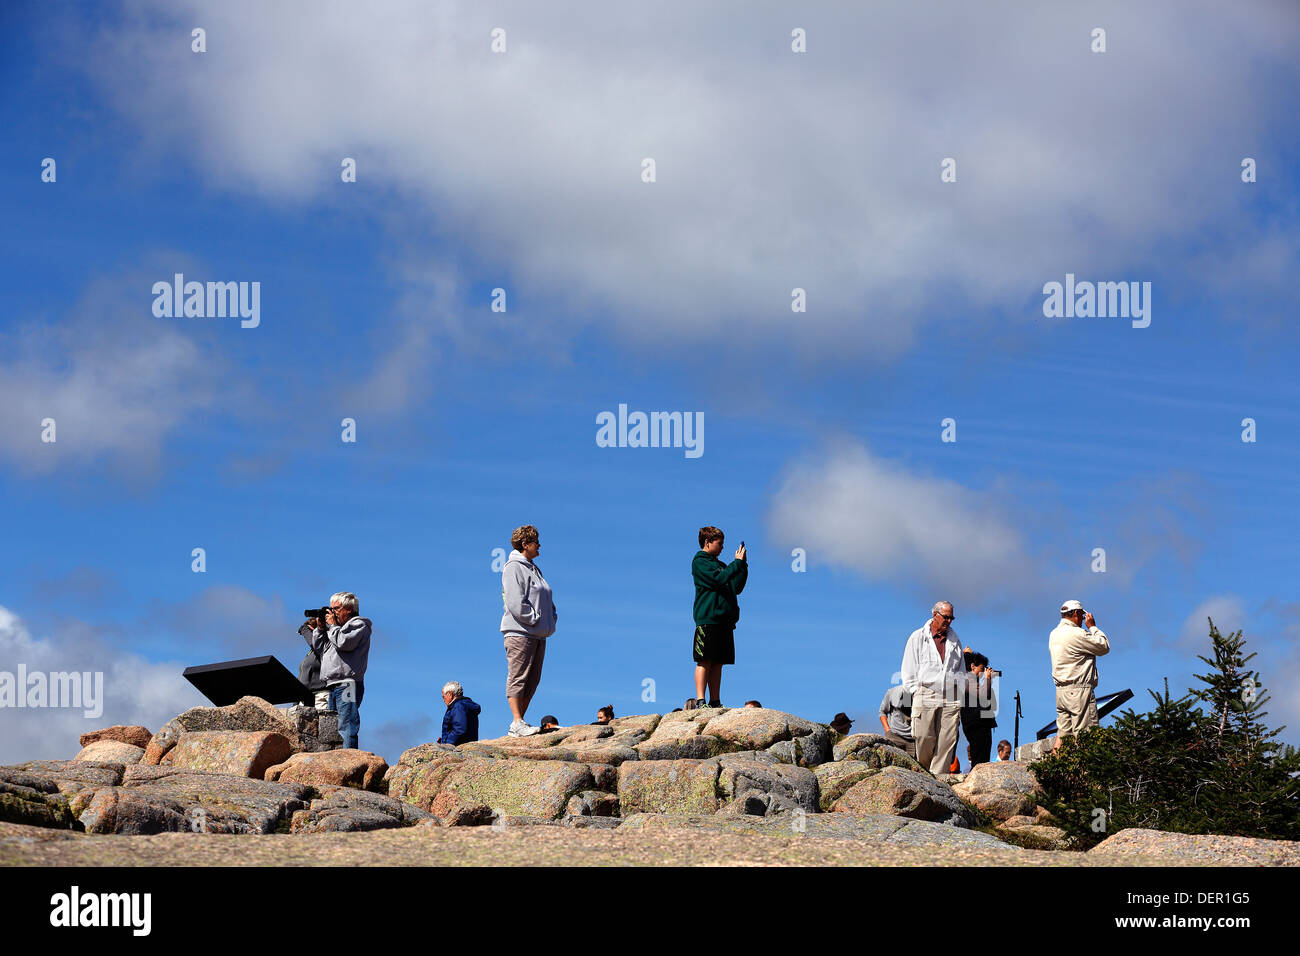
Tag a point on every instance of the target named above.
point(945, 617)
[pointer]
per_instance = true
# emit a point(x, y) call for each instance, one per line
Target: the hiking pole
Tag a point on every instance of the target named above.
point(1016, 745)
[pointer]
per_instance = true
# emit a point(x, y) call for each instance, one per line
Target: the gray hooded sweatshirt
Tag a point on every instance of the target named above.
point(344, 650)
point(529, 609)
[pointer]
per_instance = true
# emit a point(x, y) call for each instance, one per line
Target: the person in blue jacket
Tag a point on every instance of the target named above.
point(460, 722)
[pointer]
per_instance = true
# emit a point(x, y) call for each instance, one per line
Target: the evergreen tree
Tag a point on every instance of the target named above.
point(1180, 767)
point(1136, 773)
point(1253, 788)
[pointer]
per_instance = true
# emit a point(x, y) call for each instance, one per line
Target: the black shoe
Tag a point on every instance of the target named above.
point(699, 704)
point(715, 703)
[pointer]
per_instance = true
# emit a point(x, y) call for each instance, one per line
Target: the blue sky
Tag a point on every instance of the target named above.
point(522, 171)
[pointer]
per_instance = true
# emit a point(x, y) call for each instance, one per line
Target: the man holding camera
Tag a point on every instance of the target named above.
point(1075, 644)
point(342, 640)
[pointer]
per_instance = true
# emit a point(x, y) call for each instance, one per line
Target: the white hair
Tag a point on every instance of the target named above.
point(453, 687)
point(346, 599)
point(939, 604)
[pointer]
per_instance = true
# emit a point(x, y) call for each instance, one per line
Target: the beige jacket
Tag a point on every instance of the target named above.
point(1075, 652)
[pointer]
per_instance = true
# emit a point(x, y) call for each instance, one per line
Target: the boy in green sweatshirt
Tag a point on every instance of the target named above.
point(717, 586)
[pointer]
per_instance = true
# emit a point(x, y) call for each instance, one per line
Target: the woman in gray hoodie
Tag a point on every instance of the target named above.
point(528, 620)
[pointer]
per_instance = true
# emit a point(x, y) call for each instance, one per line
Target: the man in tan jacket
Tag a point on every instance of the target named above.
point(1075, 644)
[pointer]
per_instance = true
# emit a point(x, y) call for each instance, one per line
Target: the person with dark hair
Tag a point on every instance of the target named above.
point(753, 703)
point(716, 611)
point(528, 619)
point(1004, 750)
point(605, 714)
point(309, 668)
point(979, 707)
point(548, 723)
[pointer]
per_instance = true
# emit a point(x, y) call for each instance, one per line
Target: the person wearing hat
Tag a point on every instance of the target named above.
point(841, 724)
point(1075, 644)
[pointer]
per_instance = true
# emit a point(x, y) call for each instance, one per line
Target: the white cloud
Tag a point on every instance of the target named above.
point(876, 518)
point(135, 690)
point(1226, 610)
point(775, 169)
point(115, 381)
point(1009, 543)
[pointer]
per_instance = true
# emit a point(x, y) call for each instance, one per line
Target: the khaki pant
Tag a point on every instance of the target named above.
point(934, 728)
point(1076, 709)
point(524, 656)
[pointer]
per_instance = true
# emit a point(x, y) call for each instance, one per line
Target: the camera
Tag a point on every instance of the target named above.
point(319, 612)
point(994, 673)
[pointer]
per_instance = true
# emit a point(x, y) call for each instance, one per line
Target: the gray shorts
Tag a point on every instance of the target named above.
point(523, 664)
point(1076, 709)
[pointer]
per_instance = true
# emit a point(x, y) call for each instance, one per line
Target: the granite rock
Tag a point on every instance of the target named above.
point(668, 786)
point(134, 735)
point(906, 793)
point(246, 753)
point(109, 751)
point(347, 809)
point(340, 768)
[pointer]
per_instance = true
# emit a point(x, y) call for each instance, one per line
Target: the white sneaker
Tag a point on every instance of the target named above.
point(521, 728)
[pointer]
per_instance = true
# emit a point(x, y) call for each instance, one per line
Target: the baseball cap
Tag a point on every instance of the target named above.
point(1071, 606)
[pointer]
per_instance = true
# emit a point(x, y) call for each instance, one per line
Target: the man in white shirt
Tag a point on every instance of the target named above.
point(1075, 644)
point(934, 673)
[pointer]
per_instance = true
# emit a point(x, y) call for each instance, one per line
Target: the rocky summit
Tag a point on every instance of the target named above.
point(739, 785)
